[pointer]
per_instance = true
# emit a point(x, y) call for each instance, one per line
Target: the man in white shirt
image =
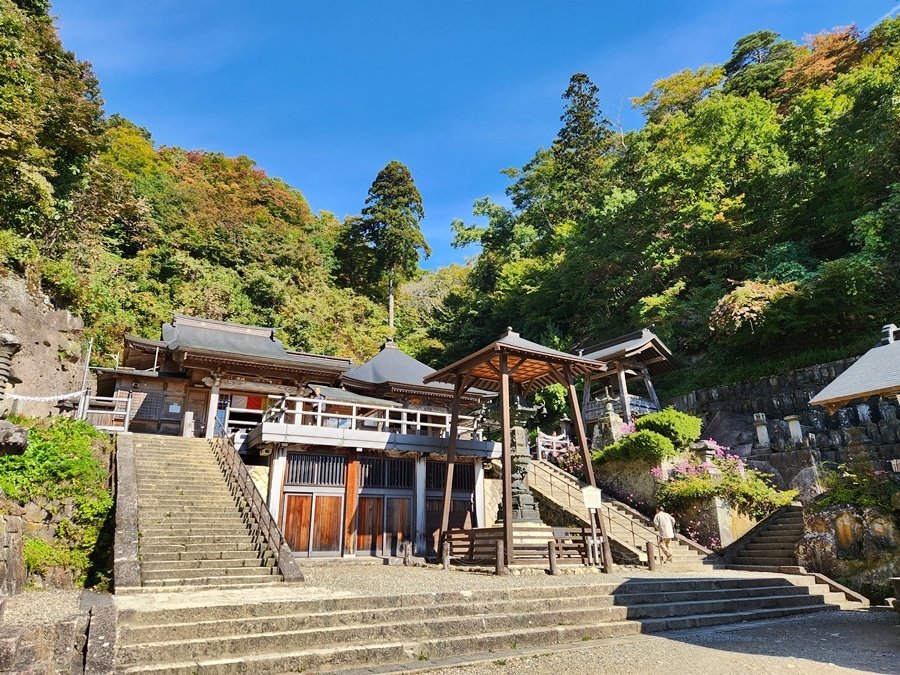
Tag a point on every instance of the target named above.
point(665, 524)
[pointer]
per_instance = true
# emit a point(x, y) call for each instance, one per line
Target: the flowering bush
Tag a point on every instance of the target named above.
point(725, 476)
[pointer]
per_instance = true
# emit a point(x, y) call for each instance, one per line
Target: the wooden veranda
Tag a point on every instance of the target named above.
point(530, 366)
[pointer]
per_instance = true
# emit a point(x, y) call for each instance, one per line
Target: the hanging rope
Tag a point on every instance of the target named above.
point(61, 397)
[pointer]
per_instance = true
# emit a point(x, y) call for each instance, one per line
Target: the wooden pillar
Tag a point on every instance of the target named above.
point(351, 503)
point(505, 426)
point(586, 395)
point(588, 467)
point(623, 392)
point(451, 455)
point(651, 390)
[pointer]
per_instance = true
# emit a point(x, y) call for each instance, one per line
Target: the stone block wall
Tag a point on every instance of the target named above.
point(776, 396)
point(12, 562)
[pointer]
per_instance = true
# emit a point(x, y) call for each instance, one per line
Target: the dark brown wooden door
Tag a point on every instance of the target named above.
point(329, 515)
point(297, 510)
point(461, 516)
point(398, 523)
point(370, 525)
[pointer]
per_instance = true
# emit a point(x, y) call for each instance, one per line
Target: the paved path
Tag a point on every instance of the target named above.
point(822, 643)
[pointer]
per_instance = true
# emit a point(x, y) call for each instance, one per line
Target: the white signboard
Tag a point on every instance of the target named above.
point(591, 497)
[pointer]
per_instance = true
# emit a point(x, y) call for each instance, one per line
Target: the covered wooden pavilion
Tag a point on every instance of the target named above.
point(530, 366)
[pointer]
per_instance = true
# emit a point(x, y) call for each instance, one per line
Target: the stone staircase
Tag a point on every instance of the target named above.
point(628, 530)
point(287, 631)
point(774, 545)
point(193, 531)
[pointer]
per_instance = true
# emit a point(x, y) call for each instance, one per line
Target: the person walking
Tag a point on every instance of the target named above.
point(665, 524)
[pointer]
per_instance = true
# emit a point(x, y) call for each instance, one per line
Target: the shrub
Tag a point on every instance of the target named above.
point(857, 483)
point(681, 429)
point(64, 461)
point(641, 446)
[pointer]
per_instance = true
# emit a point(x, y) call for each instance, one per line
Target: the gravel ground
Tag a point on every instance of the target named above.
point(825, 642)
point(41, 607)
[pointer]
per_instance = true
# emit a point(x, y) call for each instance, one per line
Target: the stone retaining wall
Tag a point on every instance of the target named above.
point(776, 396)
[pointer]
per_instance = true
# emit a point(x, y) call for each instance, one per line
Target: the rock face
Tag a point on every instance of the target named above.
point(13, 438)
point(858, 546)
point(49, 361)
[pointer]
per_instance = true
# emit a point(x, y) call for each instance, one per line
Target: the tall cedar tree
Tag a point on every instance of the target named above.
point(580, 145)
point(384, 243)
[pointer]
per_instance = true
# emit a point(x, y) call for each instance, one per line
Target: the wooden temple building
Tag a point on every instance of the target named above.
point(361, 460)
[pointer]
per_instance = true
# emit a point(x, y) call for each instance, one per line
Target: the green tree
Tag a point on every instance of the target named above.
point(385, 242)
point(758, 62)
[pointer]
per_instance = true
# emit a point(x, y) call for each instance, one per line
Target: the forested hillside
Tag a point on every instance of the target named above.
point(124, 232)
point(754, 219)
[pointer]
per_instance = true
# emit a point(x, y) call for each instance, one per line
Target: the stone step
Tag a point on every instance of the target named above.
point(167, 547)
point(184, 540)
point(287, 617)
point(233, 563)
point(213, 580)
point(163, 501)
point(634, 591)
point(196, 511)
point(213, 558)
point(188, 521)
point(289, 658)
point(205, 572)
point(770, 546)
point(776, 539)
point(764, 561)
point(153, 531)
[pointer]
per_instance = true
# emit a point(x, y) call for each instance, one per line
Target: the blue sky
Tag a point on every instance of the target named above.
point(324, 94)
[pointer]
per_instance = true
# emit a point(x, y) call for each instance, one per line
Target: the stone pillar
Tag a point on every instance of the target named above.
point(9, 345)
point(794, 427)
point(277, 467)
point(419, 538)
point(479, 495)
point(213, 409)
point(524, 507)
point(762, 432)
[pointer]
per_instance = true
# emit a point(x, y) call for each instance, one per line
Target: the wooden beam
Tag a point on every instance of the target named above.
point(623, 394)
point(451, 456)
point(651, 390)
point(578, 424)
point(505, 430)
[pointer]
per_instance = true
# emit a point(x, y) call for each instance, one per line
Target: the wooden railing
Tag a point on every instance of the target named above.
point(108, 413)
point(639, 406)
point(242, 486)
point(323, 412)
point(530, 546)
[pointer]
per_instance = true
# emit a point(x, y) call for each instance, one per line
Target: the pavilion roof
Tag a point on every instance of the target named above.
point(531, 365)
point(642, 347)
point(393, 369)
point(876, 373)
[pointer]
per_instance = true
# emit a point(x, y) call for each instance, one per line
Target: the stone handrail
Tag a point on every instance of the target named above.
point(126, 563)
point(240, 481)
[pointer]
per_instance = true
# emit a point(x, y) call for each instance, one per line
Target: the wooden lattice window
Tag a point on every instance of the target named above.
point(305, 469)
point(385, 472)
point(463, 476)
